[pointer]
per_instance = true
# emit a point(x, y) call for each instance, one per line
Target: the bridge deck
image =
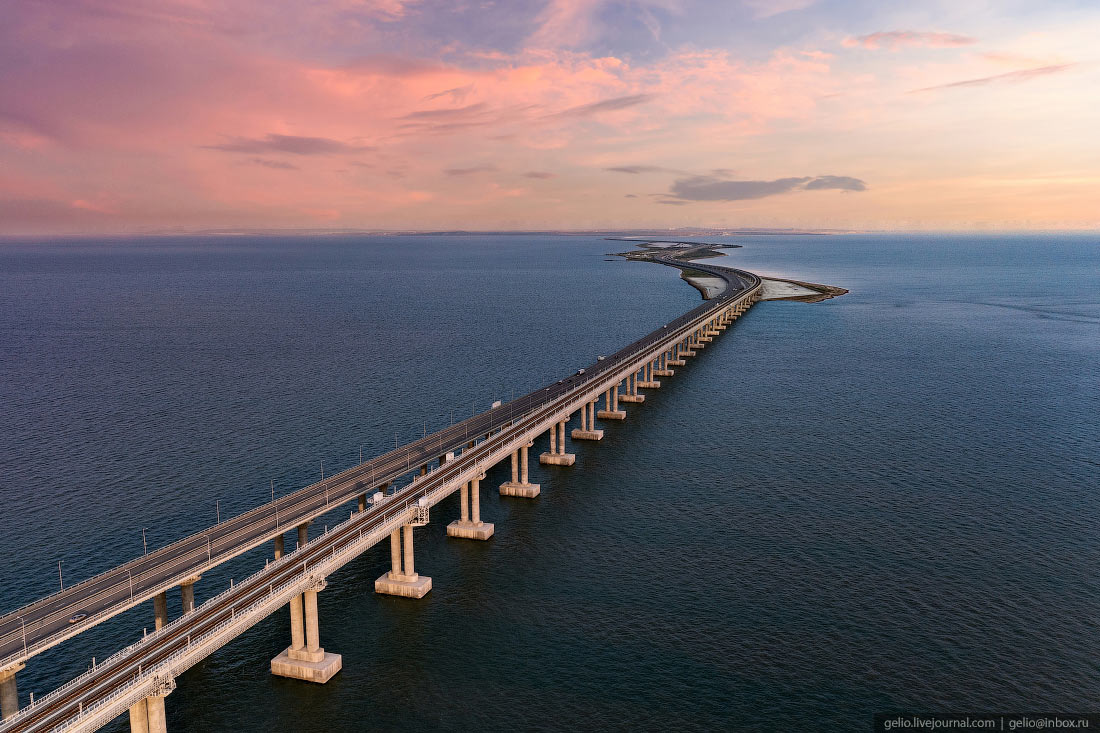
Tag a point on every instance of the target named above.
point(131, 673)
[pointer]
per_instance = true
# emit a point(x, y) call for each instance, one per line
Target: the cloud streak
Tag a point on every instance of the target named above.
point(606, 105)
point(470, 171)
point(895, 40)
point(293, 144)
point(712, 188)
point(1011, 76)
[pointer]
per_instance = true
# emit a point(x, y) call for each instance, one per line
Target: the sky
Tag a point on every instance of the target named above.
point(193, 115)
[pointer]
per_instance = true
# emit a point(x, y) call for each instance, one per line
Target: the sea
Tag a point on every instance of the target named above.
point(885, 502)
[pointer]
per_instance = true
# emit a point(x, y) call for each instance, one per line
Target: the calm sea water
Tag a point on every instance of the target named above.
point(884, 501)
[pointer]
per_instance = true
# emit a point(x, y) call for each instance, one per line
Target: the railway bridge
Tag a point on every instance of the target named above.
point(138, 678)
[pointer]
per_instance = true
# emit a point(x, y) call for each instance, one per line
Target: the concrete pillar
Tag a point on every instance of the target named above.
point(303, 534)
point(615, 397)
point(313, 633)
point(297, 626)
point(463, 500)
point(475, 498)
point(557, 456)
point(395, 552)
point(278, 547)
point(9, 693)
point(157, 720)
point(160, 609)
point(139, 716)
point(520, 485)
point(403, 579)
point(424, 470)
point(408, 567)
point(187, 594)
point(362, 500)
point(607, 396)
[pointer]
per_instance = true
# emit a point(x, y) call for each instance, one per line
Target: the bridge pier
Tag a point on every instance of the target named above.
point(470, 526)
point(587, 430)
point(632, 390)
point(519, 485)
point(403, 579)
point(187, 593)
point(647, 375)
point(611, 409)
point(9, 693)
point(557, 455)
point(305, 658)
point(279, 543)
point(147, 715)
point(160, 610)
point(662, 369)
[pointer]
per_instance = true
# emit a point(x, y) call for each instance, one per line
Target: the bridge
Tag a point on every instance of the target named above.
point(138, 678)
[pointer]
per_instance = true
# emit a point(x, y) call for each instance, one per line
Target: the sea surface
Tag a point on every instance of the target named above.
point(889, 501)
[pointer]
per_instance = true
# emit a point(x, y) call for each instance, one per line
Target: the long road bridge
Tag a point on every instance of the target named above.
point(139, 677)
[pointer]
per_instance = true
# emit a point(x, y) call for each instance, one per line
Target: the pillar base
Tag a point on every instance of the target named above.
point(470, 530)
point(687, 353)
point(705, 339)
point(677, 362)
point(301, 655)
point(663, 372)
point(711, 333)
point(391, 585)
point(525, 491)
point(557, 459)
point(613, 414)
point(579, 434)
point(299, 669)
point(632, 398)
point(650, 385)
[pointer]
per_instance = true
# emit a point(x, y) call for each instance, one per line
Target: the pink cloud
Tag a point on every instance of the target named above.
point(895, 40)
point(1011, 76)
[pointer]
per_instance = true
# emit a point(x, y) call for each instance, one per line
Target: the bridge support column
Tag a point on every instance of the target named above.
point(403, 579)
point(519, 485)
point(9, 693)
point(676, 360)
point(470, 526)
point(611, 409)
point(278, 547)
point(303, 534)
point(160, 609)
point(361, 502)
point(187, 593)
point(647, 375)
point(587, 430)
point(305, 658)
point(147, 714)
point(632, 390)
point(662, 369)
point(557, 455)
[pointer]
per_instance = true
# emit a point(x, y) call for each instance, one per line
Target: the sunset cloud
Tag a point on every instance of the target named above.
point(385, 113)
point(899, 39)
point(1011, 76)
point(294, 144)
point(712, 188)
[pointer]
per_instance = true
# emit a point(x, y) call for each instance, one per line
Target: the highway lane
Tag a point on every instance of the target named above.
point(40, 625)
